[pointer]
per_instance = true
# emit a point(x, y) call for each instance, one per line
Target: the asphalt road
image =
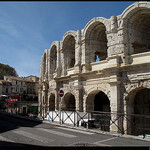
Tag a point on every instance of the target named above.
point(20, 132)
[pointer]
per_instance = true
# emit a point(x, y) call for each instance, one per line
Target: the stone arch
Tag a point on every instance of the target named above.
point(53, 59)
point(68, 102)
point(136, 21)
point(130, 10)
point(95, 98)
point(96, 39)
point(98, 102)
point(96, 19)
point(103, 88)
point(52, 102)
point(138, 103)
point(71, 33)
point(135, 87)
point(68, 46)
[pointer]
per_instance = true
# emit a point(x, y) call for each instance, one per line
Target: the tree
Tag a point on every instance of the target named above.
point(6, 70)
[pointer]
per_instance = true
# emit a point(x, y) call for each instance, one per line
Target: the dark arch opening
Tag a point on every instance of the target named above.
point(97, 42)
point(68, 102)
point(99, 106)
point(139, 31)
point(141, 107)
point(101, 102)
point(53, 59)
point(69, 51)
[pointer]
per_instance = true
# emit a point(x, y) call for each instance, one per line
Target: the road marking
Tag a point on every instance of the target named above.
point(33, 136)
point(99, 142)
point(74, 130)
point(5, 139)
point(57, 133)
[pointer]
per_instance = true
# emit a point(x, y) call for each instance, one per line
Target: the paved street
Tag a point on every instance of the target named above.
point(20, 132)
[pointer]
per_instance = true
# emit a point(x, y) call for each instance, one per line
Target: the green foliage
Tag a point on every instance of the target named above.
point(6, 70)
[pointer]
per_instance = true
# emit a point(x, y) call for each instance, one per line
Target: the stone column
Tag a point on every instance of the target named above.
point(42, 72)
point(115, 100)
point(48, 97)
point(78, 52)
point(45, 95)
point(63, 62)
point(84, 103)
point(48, 65)
point(58, 66)
point(115, 105)
point(78, 49)
point(79, 99)
point(85, 55)
point(56, 101)
point(39, 102)
point(128, 110)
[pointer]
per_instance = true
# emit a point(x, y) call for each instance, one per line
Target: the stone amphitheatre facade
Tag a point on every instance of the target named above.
point(103, 67)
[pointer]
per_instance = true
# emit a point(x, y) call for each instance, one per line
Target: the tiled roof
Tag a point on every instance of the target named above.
point(4, 81)
point(18, 78)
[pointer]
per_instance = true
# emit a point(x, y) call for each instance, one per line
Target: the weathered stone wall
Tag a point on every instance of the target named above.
point(123, 48)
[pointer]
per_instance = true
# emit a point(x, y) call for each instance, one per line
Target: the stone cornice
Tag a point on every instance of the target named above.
point(134, 67)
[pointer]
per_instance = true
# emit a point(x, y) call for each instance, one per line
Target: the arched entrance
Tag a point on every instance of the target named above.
point(101, 102)
point(138, 108)
point(97, 101)
point(141, 107)
point(52, 102)
point(68, 102)
point(99, 106)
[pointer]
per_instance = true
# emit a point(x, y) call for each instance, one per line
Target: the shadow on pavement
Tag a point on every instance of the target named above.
point(9, 122)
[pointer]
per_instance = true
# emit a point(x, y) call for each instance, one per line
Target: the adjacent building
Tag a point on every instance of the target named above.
point(22, 91)
point(103, 67)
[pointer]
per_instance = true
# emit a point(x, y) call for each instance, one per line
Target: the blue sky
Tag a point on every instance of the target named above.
point(29, 27)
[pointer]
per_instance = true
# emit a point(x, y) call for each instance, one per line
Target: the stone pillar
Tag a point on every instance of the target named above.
point(48, 65)
point(58, 66)
point(42, 72)
point(48, 98)
point(41, 69)
point(56, 101)
point(78, 52)
point(45, 100)
point(85, 56)
point(39, 102)
point(84, 103)
point(115, 105)
point(63, 62)
point(78, 49)
point(128, 110)
point(79, 100)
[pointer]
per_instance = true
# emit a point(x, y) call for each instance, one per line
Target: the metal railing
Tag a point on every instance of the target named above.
point(132, 124)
